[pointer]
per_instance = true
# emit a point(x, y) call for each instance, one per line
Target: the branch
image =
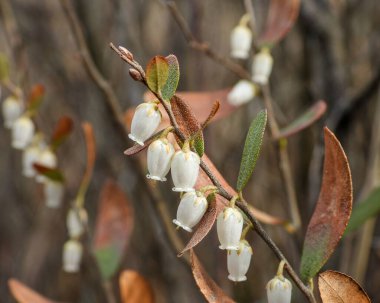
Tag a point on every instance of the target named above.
point(202, 46)
point(242, 204)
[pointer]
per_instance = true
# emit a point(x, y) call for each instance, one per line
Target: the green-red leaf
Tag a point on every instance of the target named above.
point(62, 129)
point(113, 228)
point(157, 73)
point(252, 148)
point(304, 121)
point(35, 97)
point(168, 90)
point(52, 174)
point(332, 211)
point(364, 210)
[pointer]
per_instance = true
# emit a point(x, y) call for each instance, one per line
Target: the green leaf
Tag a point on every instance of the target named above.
point(157, 73)
point(108, 259)
point(199, 144)
point(251, 150)
point(168, 90)
point(4, 67)
point(364, 210)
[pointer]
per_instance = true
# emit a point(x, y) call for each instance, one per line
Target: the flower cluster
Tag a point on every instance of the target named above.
point(262, 62)
point(35, 149)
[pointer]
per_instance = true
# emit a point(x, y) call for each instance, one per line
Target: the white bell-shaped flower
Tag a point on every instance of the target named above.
point(242, 93)
point(12, 110)
point(190, 211)
point(229, 227)
point(76, 221)
point(48, 159)
point(279, 290)
point(22, 132)
point(145, 121)
point(72, 256)
point(262, 67)
point(241, 40)
point(238, 262)
point(29, 157)
point(54, 192)
point(184, 170)
point(160, 154)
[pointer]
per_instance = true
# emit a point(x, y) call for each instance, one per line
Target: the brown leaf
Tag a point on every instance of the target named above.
point(62, 130)
point(305, 120)
point(91, 152)
point(134, 288)
point(35, 97)
point(211, 115)
point(332, 211)
point(336, 287)
point(281, 17)
point(135, 149)
point(115, 220)
point(204, 180)
point(205, 225)
point(24, 294)
point(211, 291)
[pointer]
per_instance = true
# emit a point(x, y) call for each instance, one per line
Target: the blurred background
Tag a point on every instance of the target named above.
point(330, 54)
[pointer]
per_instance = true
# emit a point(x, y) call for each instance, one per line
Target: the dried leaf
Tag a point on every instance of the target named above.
point(332, 211)
point(364, 210)
point(211, 115)
point(211, 291)
point(4, 67)
point(24, 294)
point(157, 73)
point(281, 17)
point(304, 121)
point(336, 287)
point(134, 288)
point(52, 174)
point(35, 97)
point(113, 228)
point(204, 180)
point(205, 224)
point(61, 131)
point(135, 149)
point(252, 148)
point(168, 90)
point(187, 122)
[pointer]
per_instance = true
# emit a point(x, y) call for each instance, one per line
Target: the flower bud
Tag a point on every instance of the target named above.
point(279, 290)
point(75, 221)
point(242, 93)
point(262, 67)
point(48, 159)
point(22, 132)
point(12, 110)
point(229, 227)
point(53, 193)
point(241, 40)
point(190, 210)
point(160, 153)
point(238, 261)
point(145, 121)
point(72, 256)
point(185, 169)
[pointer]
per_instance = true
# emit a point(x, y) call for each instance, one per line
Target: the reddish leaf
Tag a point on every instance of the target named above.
point(61, 131)
point(24, 294)
point(135, 149)
point(214, 110)
point(91, 154)
point(53, 174)
point(113, 228)
point(205, 225)
point(282, 15)
point(211, 291)
point(35, 97)
point(134, 288)
point(204, 180)
point(332, 211)
point(304, 121)
point(336, 287)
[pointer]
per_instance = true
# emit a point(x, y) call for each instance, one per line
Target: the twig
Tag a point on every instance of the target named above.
point(242, 204)
point(202, 46)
